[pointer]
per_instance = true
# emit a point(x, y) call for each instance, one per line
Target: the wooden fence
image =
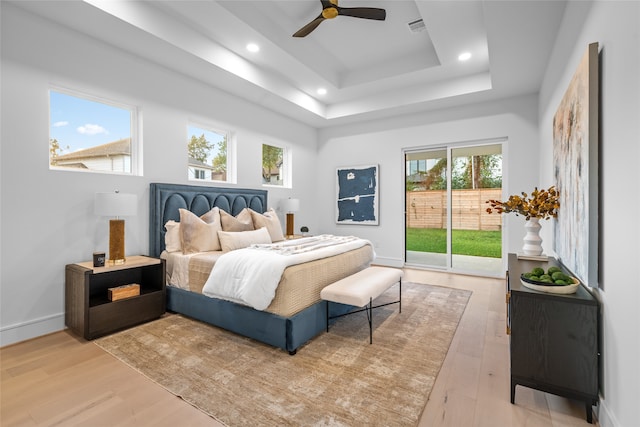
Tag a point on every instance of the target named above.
point(427, 209)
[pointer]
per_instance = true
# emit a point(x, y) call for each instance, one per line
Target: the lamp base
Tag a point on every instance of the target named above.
point(116, 242)
point(289, 224)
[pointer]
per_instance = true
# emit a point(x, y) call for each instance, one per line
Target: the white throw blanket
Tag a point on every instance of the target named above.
point(251, 275)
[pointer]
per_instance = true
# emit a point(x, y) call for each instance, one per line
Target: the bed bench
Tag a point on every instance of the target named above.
point(361, 288)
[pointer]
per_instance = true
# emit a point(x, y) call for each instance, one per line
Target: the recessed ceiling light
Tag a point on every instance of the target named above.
point(252, 47)
point(464, 56)
point(321, 91)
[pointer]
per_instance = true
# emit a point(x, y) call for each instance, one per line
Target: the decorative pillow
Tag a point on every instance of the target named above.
point(240, 222)
point(200, 234)
point(172, 238)
point(269, 220)
point(232, 240)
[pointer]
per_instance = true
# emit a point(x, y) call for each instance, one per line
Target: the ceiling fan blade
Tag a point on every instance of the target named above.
point(302, 32)
point(363, 12)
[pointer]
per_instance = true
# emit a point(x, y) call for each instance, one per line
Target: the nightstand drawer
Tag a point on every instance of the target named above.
point(121, 314)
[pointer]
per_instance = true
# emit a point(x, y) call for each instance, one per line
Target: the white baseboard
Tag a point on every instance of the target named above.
point(31, 329)
point(605, 417)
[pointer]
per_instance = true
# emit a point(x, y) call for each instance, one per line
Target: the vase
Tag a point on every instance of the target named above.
point(532, 240)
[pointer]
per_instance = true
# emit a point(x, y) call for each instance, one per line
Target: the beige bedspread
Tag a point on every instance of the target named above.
point(300, 285)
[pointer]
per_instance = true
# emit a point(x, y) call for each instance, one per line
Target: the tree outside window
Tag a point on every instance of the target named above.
point(272, 165)
point(481, 171)
point(207, 154)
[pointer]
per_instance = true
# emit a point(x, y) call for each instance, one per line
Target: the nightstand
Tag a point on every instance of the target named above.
point(88, 310)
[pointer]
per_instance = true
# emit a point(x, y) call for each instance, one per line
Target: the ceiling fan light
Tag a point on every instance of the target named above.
point(329, 13)
point(321, 91)
point(252, 47)
point(464, 56)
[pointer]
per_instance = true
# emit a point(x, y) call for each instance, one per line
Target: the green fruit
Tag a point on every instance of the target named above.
point(527, 275)
point(545, 277)
point(537, 271)
point(534, 278)
point(552, 270)
point(559, 275)
point(546, 281)
point(560, 282)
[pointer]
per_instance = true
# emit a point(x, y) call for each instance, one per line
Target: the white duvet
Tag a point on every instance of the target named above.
point(251, 275)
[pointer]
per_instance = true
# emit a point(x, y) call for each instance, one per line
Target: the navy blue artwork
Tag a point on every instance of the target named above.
point(358, 195)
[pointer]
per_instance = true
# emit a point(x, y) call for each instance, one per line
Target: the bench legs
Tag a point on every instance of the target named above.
point(369, 309)
point(370, 319)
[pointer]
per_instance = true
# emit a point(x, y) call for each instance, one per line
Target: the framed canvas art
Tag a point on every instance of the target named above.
point(575, 165)
point(357, 195)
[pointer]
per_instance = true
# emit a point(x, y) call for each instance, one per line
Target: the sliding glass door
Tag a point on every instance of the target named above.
point(446, 223)
point(426, 227)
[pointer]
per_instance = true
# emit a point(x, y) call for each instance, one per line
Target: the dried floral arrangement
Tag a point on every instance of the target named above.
point(543, 204)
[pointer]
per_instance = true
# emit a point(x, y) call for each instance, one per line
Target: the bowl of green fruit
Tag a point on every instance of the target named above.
point(554, 280)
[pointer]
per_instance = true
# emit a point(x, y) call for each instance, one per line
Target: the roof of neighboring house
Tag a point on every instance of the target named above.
point(197, 163)
point(78, 165)
point(273, 171)
point(119, 147)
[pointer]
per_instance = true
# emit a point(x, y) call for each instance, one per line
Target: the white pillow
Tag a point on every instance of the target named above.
point(269, 220)
point(199, 234)
point(232, 240)
point(172, 238)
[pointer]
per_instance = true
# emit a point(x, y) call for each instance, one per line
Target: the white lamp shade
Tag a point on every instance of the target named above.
point(116, 204)
point(290, 205)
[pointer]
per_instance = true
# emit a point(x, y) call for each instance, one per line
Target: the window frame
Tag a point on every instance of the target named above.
point(135, 131)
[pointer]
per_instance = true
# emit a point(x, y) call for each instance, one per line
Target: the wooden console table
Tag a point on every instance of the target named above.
point(553, 338)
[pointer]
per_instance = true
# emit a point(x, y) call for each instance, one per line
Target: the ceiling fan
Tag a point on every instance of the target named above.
point(330, 10)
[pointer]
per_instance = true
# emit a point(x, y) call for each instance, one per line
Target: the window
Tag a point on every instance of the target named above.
point(275, 166)
point(91, 134)
point(208, 160)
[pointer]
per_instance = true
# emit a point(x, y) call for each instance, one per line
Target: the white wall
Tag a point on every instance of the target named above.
point(383, 142)
point(47, 218)
point(615, 26)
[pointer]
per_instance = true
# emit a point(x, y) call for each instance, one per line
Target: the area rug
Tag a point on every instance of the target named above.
point(336, 379)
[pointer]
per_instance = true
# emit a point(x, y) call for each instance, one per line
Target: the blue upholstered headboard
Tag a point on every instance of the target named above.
point(166, 199)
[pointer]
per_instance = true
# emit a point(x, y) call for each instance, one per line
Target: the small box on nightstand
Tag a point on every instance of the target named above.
point(124, 291)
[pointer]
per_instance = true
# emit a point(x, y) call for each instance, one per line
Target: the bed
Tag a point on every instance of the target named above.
point(280, 326)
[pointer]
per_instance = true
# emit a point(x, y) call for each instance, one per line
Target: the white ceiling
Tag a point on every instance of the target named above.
point(370, 69)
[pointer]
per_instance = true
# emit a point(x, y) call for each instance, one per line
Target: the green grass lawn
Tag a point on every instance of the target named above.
point(463, 242)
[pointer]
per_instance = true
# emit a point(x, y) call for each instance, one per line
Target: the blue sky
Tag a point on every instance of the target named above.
point(79, 123)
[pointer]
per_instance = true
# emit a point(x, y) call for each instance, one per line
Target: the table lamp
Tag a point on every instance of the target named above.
point(290, 206)
point(116, 204)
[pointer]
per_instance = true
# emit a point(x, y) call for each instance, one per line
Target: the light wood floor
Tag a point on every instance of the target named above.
point(62, 380)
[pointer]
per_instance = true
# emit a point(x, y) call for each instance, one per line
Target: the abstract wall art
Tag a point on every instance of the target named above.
point(575, 163)
point(357, 195)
